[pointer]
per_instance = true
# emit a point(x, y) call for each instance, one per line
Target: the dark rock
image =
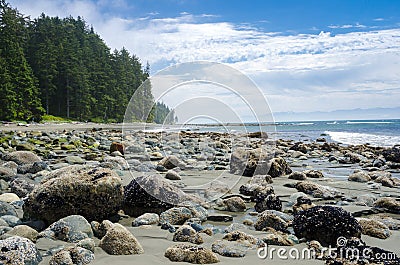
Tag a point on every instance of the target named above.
point(270, 219)
point(325, 224)
point(392, 154)
point(117, 147)
point(220, 217)
point(22, 186)
point(267, 202)
point(191, 254)
point(95, 193)
point(6, 173)
point(251, 162)
point(279, 167)
point(153, 194)
point(263, 135)
point(19, 250)
point(32, 168)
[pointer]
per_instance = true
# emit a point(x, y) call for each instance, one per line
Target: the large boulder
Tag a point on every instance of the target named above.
point(392, 154)
point(279, 167)
point(326, 224)
point(153, 194)
point(19, 250)
point(95, 193)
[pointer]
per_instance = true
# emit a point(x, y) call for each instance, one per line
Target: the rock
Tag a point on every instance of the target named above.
point(297, 154)
point(215, 217)
point(100, 229)
point(392, 154)
point(302, 203)
point(21, 157)
point(74, 160)
point(146, 219)
point(235, 204)
point(234, 227)
point(197, 210)
point(22, 186)
point(257, 135)
point(25, 147)
point(6, 173)
point(279, 238)
point(153, 194)
point(249, 162)
point(230, 248)
point(191, 254)
point(117, 147)
point(32, 168)
point(374, 228)
point(9, 197)
point(313, 173)
point(18, 250)
point(388, 181)
point(269, 219)
point(186, 233)
point(389, 204)
point(87, 243)
point(359, 177)
point(11, 220)
point(23, 231)
point(7, 209)
point(172, 175)
point(267, 202)
point(70, 229)
point(325, 224)
point(391, 223)
point(171, 162)
point(279, 167)
point(299, 146)
point(175, 216)
point(72, 255)
point(119, 241)
point(366, 200)
point(316, 190)
point(254, 190)
point(378, 173)
point(297, 176)
point(95, 193)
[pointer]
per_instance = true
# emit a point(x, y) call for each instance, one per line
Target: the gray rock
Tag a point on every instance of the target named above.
point(171, 162)
point(6, 173)
point(95, 193)
point(316, 190)
point(313, 173)
point(119, 241)
point(172, 175)
point(269, 219)
point(7, 209)
point(9, 197)
point(146, 219)
point(23, 231)
point(19, 250)
point(11, 220)
point(32, 168)
point(22, 157)
point(297, 176)
point(70, 229)
point(191, 254)
point(72, 160)
point(22, 186)
point(87, 243)
point(230, 248)
point(175, 216)
point(72, 255)
point(235, 204)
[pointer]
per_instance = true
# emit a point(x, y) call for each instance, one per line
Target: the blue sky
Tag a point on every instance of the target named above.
point(305, 56)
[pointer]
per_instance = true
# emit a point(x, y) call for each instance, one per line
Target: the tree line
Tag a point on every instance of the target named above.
point(62, 67)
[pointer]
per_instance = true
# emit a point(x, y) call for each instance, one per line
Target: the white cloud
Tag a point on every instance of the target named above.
point(302, 72)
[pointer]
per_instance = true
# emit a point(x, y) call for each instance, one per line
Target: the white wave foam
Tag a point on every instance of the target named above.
point(363, 138)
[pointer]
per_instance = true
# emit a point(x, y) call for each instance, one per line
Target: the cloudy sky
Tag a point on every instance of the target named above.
point(305, 56)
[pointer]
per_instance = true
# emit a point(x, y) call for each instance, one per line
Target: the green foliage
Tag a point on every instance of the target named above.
point(64, 66)
point(51, 118)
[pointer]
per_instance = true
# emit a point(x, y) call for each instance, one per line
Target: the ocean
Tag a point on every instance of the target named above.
point(350, 132)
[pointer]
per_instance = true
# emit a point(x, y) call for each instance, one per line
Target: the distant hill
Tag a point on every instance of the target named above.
point(351, 114)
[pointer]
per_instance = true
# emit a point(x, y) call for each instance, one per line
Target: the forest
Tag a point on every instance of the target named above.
point(61, 67)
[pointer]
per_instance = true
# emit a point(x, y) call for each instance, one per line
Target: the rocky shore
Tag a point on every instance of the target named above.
point(102, 196)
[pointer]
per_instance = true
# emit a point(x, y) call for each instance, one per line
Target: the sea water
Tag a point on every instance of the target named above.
point(350, 132)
